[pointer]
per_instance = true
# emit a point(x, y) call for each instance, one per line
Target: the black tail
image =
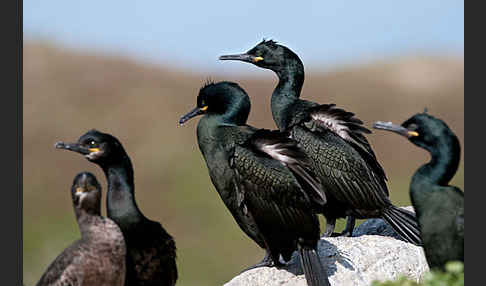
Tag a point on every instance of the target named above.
point(404, 223)
point(315, 272)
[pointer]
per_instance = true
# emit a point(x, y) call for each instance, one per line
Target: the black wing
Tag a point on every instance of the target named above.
point(152, 254)
point(344, 173)
point(343, 123)
point(279, 146)
point(349, 128)
point(278, 202)
point(340, 154)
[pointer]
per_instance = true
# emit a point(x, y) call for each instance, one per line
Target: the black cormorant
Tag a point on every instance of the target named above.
point(341, 156)
point(439, 206)
point(98, 258)
point(261, 176)
point(151, 251)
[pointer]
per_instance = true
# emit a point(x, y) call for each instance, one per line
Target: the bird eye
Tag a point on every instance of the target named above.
point(412, 127)
point(92, 143)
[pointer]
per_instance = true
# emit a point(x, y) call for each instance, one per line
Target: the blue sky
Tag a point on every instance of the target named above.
point(195, 33)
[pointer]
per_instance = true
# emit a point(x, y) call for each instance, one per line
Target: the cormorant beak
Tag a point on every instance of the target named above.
point(83, 184)
point(84, 187)
point(193, 113)
point(74, 147)
point(395, 128)
point(241, 57)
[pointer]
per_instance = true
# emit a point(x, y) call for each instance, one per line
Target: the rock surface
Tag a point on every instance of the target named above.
point(373, 253)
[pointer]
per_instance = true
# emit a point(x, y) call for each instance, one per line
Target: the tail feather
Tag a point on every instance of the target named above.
point(314, 271)
point(404, 223)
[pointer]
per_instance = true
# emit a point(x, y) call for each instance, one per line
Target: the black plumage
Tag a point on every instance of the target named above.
point(151, 251)
point(262, 177)
point(98, 258)
point(439, 206)
point(333, 139)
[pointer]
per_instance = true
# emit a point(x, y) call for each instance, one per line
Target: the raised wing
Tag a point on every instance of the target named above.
point(327, 117)
point(343, 123)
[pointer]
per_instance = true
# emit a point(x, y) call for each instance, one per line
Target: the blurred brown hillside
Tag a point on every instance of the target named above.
point(69, 92)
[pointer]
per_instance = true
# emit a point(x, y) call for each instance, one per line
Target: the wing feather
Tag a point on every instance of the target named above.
point(279, 146)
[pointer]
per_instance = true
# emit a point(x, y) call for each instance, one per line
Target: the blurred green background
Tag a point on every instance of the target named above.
point(67, 92)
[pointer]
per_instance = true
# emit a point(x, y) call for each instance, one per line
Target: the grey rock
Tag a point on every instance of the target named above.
point(373, 253)
point(377, 226)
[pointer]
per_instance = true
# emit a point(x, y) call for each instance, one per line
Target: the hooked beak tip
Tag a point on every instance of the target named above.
point(389, 126)
point(183, 120)
point(193, 113)
point(59, 145)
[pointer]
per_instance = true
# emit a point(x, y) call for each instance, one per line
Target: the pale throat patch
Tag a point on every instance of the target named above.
point(95, 153)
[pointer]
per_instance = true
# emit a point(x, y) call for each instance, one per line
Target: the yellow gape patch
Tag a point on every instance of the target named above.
point(257, 59)
point(79, 190)
point(204, 108)
point(412, 133)
point(94, 150)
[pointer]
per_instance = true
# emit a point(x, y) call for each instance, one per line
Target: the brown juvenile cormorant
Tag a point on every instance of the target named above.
point(151, 251)
point(98, 258)
point(262, 177)
point(439, 206)
point(353, 180)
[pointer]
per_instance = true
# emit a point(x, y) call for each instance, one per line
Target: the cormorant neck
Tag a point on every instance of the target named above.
point(287, 92)
point(85, 220)
point(237, 115)
point(120, 200)
point(443, 165)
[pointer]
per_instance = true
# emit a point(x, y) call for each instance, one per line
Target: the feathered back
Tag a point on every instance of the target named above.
point(279, 146)
point(348, 127)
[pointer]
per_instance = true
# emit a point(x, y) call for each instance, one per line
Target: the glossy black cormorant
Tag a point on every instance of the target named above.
point(151, 251)
point(98, 258)
point(261, 176)
point(439, 206)
point(341, 156)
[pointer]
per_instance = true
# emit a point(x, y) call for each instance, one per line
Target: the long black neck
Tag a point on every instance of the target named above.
point(291, 79)
point(120, 202)
point(440, 169)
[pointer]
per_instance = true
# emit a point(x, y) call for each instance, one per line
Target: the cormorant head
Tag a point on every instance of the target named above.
point(269, 55)
point(86, 193)
point(423, 130)
point(98, 147)
point(225, 98)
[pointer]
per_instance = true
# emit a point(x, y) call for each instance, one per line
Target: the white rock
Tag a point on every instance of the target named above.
point(374, 253)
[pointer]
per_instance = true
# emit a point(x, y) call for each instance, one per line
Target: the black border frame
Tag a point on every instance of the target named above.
point(12, 179)
point(11, 121)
